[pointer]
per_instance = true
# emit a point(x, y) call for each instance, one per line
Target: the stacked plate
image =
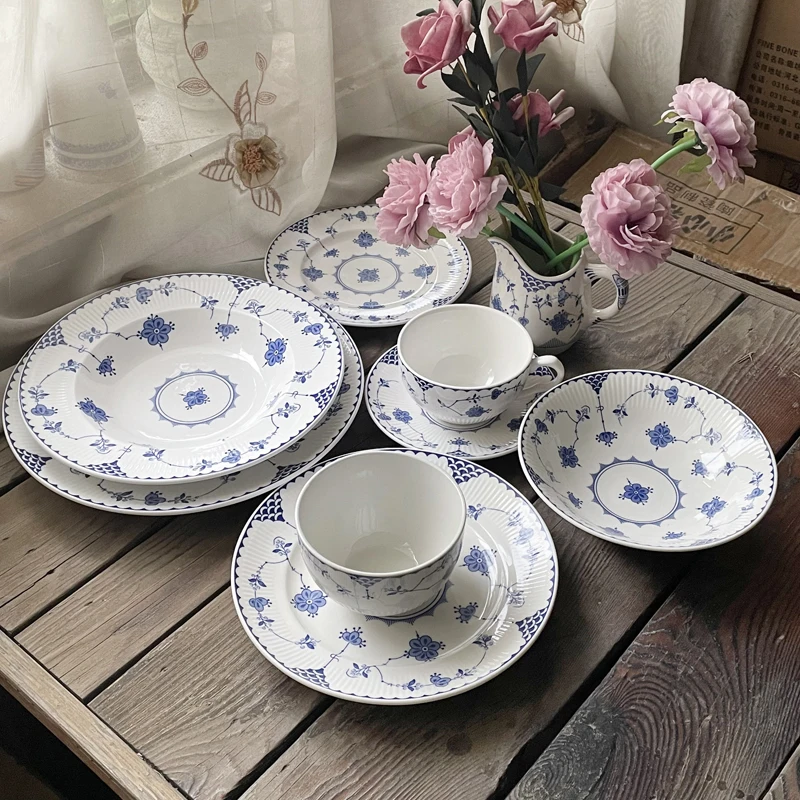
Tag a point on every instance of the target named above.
point(182, 393)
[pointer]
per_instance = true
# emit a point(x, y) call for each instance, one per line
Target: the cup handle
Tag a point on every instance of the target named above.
point(596, 269)
point(544, 371)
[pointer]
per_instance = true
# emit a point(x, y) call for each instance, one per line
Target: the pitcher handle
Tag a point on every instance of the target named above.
point(596, 269)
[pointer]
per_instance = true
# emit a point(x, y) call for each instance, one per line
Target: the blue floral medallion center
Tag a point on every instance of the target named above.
point(197, 397)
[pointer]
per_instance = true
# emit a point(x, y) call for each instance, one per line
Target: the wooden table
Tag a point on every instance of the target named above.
point(657, 676)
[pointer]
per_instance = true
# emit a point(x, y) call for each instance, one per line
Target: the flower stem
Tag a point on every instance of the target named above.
point(574, 248)
point(679, 148)
point(523, 226)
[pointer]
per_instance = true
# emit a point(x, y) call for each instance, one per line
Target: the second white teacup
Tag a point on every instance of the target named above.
point(466, 364)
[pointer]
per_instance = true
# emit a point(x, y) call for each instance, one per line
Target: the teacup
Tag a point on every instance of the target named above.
point(380, 531)
point(465, 365)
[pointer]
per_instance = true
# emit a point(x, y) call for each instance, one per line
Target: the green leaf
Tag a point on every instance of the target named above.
point(522, 73)
point(477, 13)
point(502, 120)
point(483, 58)
point(455, 82)
point(697, 164)
point(477, 74)
point(507, 94)
point(531, 66)
point(526, 159)
point(436, 233)
point(463, 101)
point(480, 127)
point(497, 55)
point(550, 191)
point(425, 12)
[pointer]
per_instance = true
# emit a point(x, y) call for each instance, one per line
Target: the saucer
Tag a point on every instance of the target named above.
point(179, 378)
point(221, 490)
point(397, 414)
point(496, 603)
point(648, 460)
point(337, 260)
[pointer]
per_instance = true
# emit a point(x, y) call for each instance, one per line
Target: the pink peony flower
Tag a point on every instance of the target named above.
point(723, 124)
point(404, 218)
point(539, 107)
point(521, 26)
point(460, 192)
point(436, 40)
point(628, 218)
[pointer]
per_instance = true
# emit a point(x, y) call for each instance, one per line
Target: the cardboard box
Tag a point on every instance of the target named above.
point(777, 170)
point(751, 228)
point(770, 78)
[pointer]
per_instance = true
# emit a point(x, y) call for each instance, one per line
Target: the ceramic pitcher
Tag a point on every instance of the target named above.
point(554, 310)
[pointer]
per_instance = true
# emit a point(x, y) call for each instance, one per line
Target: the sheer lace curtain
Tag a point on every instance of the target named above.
point(148, 136)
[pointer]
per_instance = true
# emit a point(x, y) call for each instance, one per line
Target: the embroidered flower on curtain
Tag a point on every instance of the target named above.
point(569, 14)
point(252, 159)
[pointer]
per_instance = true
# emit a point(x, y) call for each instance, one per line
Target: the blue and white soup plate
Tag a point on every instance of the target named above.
point(179, 378)
point(648, 460)
point(212, 492)
point(493, 607)
point(338, 261)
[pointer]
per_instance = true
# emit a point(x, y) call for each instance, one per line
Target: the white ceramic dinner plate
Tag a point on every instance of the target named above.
point(337, 260)
point(221, 490)
point(648, 460)
point(498, 599)
point(179, 378)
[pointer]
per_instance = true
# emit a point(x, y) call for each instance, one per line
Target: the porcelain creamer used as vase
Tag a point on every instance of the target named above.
point(553, 309)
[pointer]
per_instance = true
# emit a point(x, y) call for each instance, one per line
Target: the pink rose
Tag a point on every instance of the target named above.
point(723, 124)
point(521, 26)
point(460, 193)
point(404, 218)
point(436, 40)
point(628, 218)
point(539, 107)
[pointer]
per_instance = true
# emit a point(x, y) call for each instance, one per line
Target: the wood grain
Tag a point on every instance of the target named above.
point(787, 785)
point(125, 771)
point(11, 470)
point(48, 546)
point(706, 701)
point(168, 705)
point(113, 618)
point(695, 302)
point(603, 594)
point(464, 747)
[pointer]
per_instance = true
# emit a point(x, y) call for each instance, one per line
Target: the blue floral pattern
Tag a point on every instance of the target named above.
point(404, 659)
point(94, 434)
point(685, 469)
point(338, 260)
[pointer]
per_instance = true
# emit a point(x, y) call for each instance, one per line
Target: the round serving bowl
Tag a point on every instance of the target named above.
point(647, 460)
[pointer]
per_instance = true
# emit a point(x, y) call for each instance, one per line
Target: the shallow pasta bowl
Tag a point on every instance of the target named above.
point(647, 460)
point(179, 378)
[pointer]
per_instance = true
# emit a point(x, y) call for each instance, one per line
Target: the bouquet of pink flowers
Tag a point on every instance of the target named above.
point(494, 163)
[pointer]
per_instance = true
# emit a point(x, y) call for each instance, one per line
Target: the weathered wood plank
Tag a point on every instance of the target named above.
point(48, 546)
point(11, 471)
point(693, 264)
point(168, 705)
point(695, 302)
point(462, 748)
point(128, 774)
point(114, 617)
point(787, 785)
point(706, 701)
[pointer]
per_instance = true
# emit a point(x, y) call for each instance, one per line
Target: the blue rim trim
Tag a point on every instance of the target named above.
point(365, 322)
point(689, 546)
point(336, 384)
point(460, 464)
point(159, 512)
